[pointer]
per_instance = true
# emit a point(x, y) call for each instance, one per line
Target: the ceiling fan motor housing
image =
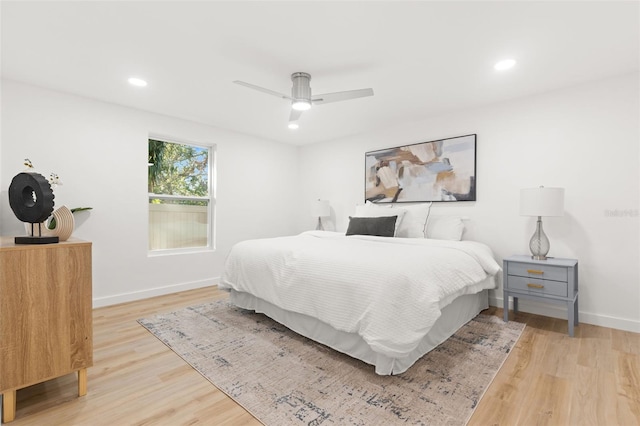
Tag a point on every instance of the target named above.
point(301, 89)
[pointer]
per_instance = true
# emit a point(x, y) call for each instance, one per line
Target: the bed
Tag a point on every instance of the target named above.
point(385, 301)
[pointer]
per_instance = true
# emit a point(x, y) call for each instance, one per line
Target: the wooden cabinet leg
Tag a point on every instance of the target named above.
point(8, 406)
point(82, 382)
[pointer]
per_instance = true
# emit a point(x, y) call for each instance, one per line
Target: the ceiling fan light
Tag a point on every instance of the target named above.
point(293, 125)
point(301, 105)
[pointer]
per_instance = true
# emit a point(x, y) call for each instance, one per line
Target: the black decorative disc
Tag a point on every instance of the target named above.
point(31, 197)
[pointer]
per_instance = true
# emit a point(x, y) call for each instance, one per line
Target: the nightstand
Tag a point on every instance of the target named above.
point(552, 280)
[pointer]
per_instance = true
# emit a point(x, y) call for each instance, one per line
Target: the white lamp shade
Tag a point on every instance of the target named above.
point(542, 201)
point(320, 208)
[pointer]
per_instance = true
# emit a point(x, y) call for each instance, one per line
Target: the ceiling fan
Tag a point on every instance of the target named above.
point(302, 99)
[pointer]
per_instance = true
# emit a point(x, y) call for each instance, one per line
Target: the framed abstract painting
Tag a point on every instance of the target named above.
point(442, 170)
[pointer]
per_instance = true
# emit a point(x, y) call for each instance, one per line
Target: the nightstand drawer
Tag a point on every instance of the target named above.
point(537, 286)
point(545, 272)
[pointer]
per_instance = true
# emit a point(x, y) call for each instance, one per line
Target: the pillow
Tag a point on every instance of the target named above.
point(414, 222)
point(374, 210)
point(383, 226)
point(370, 209)
point(445, 228)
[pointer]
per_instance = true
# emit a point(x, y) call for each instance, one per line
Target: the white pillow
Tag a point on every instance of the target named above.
point(373, 210)
point(414, 223)
point(445, 228)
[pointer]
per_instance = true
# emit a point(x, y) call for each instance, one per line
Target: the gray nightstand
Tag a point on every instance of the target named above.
point(551, 280)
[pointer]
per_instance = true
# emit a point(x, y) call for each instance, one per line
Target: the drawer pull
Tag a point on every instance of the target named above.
point(535, 271)
point(535, 285)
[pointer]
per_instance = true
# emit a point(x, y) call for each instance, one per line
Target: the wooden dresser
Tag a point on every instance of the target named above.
point(45, 315)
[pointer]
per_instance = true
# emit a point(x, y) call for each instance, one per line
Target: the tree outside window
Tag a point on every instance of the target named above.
point(180, 200)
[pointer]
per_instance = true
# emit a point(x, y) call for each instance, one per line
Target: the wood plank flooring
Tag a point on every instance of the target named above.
point(548, 379)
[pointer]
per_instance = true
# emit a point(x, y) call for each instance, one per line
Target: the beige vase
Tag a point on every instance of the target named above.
point(64, 224)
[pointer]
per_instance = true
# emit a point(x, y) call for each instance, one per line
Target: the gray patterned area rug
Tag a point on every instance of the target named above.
point(282, 378)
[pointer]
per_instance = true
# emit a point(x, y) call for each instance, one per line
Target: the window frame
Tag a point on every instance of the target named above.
point(211, 207)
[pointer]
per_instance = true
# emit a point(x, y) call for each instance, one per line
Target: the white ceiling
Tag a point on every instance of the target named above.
point(421, 58)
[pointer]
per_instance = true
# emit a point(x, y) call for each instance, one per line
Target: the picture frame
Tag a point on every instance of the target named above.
point(443, 170)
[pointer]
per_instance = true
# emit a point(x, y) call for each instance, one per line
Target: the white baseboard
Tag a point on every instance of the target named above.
point(558, 311)
point(99, 302)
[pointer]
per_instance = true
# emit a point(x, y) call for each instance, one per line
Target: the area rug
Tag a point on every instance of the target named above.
point(282, 378)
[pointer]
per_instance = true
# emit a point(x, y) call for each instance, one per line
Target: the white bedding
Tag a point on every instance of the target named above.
point(390, 291)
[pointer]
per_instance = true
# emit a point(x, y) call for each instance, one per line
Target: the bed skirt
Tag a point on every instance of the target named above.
point(453, 316)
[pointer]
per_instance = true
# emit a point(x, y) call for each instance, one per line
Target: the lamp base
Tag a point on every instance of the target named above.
point(539, 243)
point(319, 227)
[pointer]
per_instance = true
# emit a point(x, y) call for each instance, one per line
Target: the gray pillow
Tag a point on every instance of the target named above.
point(384, 226)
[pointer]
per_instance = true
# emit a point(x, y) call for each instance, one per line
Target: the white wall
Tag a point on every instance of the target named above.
point(100, 152)
point(585, 139)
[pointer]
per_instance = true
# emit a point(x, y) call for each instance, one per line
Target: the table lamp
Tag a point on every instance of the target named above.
point(320, 209)
point(541, 202)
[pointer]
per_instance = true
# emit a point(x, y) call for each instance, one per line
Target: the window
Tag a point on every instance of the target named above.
point(180, 196)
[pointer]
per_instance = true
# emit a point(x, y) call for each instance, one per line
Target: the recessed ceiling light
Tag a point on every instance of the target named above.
point(293, 125)
point(505, 64)
point(137, 82)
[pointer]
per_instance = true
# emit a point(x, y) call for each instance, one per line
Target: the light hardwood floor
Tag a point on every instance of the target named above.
point(548, 379)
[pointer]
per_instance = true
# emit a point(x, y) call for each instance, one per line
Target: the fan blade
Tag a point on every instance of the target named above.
point(295, 115)
point(262, 89)
point(341, 96)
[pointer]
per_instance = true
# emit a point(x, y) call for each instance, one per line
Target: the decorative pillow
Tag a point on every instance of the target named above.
point(383, 226)
point(445, 228)
point(374, 210)
point(414, 222)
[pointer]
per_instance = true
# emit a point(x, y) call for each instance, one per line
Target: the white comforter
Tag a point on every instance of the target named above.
point(388, 290)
